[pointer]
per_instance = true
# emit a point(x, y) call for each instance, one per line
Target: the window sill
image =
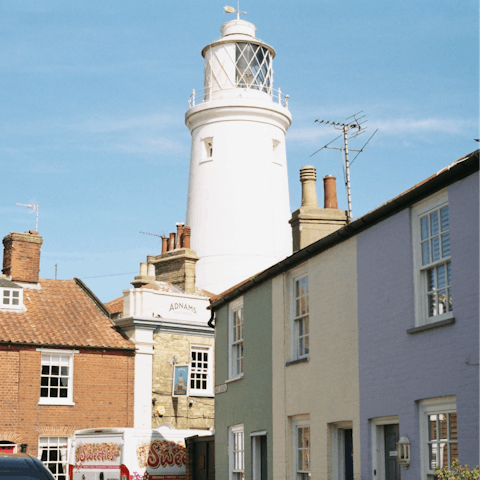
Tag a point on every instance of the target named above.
point(430, 326)
point(299, 360)
point(206, 160)
point(47, 402)
point(202, 395)
point(235, 379)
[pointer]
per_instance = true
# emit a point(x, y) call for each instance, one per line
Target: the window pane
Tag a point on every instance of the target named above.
point(441, 273)
point(432, 305)
point(432, 456)
point(432, 427)
point(442, 426)
point(434, 223)
point(449, 273)
point(55, 370)
point(307, 346)
point(300, 438)
point(54, 392)
point(444, 217)
point(430, 279)
point(15, 294)
point(446, 245)
point(53, 382)
point(453, 426)
point(44, 392)
point(449, 299)
point(15, 301)
point(425, 252)
point(424, 227)
point(44, 381)
point(453, 452)
point(45, 369)
point(444, 455)
point(435, 249)
point(6, 293)
point(306, 436)
point(6, 301)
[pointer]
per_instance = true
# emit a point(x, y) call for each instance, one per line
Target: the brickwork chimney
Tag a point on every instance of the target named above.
point(21, 256)
point(176, 264)
point(310, 222)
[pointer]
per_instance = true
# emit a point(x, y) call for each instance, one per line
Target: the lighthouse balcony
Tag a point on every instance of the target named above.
point(240, 91)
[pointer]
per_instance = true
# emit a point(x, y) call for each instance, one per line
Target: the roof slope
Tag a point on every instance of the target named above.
point(60, 313)
point(455, 171)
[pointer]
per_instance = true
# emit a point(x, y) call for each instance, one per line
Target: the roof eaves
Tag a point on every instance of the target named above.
point(65, 346)
point(448, 175)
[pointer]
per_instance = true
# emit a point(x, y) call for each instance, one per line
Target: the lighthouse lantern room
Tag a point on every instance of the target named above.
point(238, 204)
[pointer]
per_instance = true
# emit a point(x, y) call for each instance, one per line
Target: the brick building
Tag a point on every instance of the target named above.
point(63, 364)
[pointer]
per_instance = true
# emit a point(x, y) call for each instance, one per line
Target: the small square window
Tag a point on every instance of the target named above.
point(12, 298)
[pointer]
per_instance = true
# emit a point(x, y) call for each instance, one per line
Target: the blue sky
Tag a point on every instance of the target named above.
point(93, 96)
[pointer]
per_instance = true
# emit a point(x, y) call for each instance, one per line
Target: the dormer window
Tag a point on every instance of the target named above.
point(11, 295)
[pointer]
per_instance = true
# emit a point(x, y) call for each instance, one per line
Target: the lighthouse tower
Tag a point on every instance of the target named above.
point(238, 204)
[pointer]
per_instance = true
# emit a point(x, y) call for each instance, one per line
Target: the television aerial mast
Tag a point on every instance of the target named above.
point(356, 128)
point(34, 208)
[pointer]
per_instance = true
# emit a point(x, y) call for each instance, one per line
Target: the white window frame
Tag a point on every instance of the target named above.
point(234, 345)
point(54, 441)
point(427, 407)
point(7, 293)
point(420, 211)
point(201, 392)
point(295, 320)
point(236, 452)
point(66, 358)
point(208, 152)
point(297, 423)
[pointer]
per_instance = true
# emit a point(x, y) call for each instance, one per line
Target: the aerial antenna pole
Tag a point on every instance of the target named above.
point(34, 208)
point(356, 128)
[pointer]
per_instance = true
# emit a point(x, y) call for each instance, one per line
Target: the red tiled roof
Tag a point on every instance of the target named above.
point(115, 306)
point(60, 313)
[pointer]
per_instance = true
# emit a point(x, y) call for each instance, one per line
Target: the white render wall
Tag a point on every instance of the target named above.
point(238, 203)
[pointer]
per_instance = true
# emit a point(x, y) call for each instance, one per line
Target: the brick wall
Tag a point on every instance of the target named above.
point(102, 393)
point(21, 256)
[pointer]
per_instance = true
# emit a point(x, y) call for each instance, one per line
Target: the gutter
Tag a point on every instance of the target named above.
point(453, 173)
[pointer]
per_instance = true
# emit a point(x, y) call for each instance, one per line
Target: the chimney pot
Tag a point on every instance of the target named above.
point(164, 244)
point(187, 232)
point(330, 192)
point(180, 227)
point(143, 269)
point(308, 177)
point(171, 242)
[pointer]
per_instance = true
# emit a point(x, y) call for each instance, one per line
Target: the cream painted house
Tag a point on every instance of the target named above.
point(287, 404)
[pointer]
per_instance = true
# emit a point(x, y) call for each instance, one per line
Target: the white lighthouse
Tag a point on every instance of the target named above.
point(238, 204)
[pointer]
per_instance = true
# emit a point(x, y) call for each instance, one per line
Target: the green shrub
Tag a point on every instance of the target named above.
point(457, 472)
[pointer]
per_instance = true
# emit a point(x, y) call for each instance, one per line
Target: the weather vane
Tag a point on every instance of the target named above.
point(227, 9)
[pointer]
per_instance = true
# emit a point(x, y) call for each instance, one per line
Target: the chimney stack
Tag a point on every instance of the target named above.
point(21, 256)
point(310, 222)
point(177, 264)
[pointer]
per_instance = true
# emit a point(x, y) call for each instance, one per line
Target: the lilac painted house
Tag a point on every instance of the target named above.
point(418, 324)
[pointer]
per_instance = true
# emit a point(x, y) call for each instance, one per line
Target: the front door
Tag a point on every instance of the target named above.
point(348, 454)
point(392, 467)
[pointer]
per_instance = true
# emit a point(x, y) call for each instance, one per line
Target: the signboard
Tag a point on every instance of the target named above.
point(180, 381)
point(220, 388)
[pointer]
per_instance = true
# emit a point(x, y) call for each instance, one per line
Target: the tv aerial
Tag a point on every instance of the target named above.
point(34, 208)
point(355, 128)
